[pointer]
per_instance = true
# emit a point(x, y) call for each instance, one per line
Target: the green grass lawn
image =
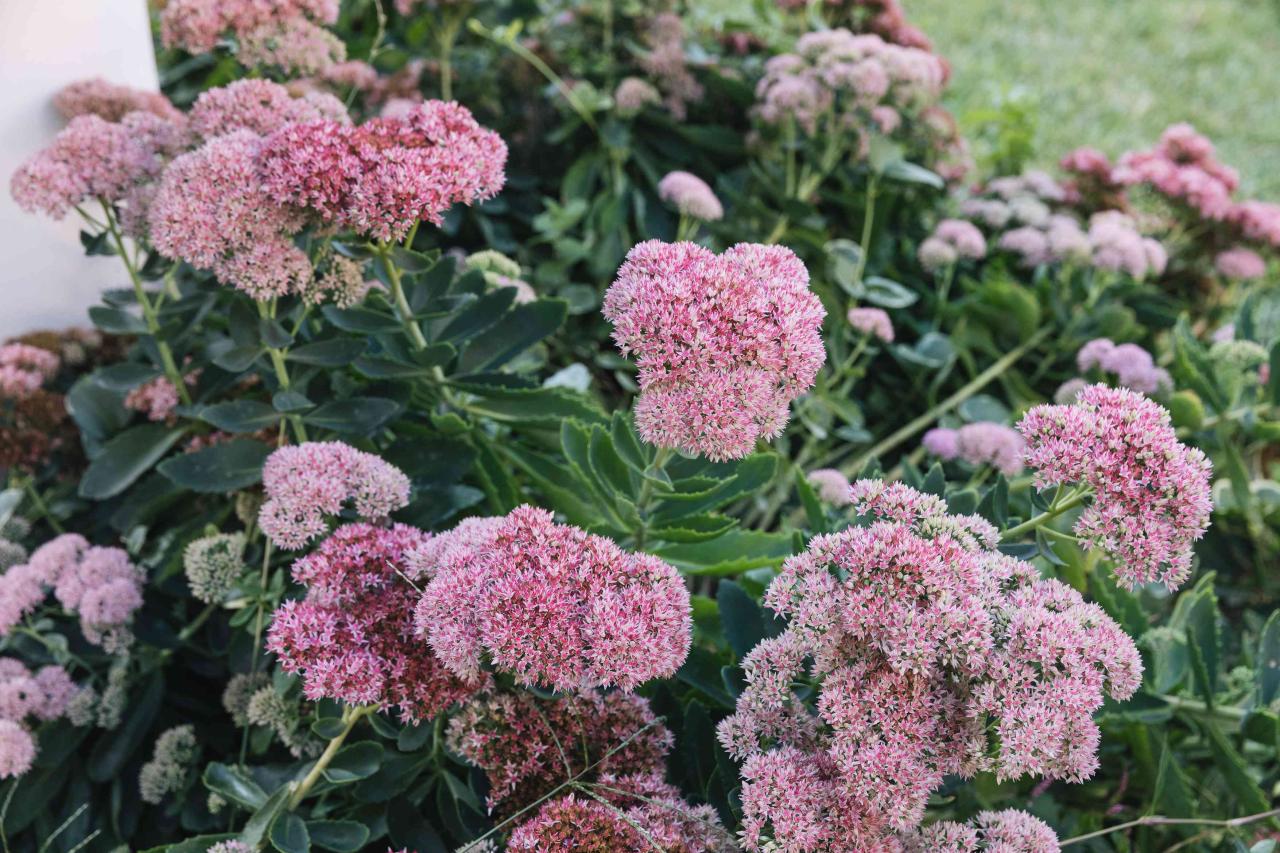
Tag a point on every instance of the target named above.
point(1114, 73)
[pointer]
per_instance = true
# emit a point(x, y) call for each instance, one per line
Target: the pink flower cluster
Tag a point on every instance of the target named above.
point(212, 211)
point(1258, 221)
point(723, 342)
point(196, 25)
point(951, 241)
point(640, 812)
point(260, 106)
point(1132, 365)
point(513, 738)
point(1007, 831)
point(24, 369)
point(981, 443)
point(1118, 246)
point(1020, 213)
point(382, 177)
point(307, 483)
point(874, 322)
point(43, 695)
point(111, 101)
point(831, 485)
point(837, 81)
point(930, 653)
point(1151, 497)
point(351, 638)
point(94, 159)
point(1240, 264)
point(666, 63)
point(158, 398)
point(690, 195)
point(554, 606)
point(1182, 168)
point(100, 584)
point(296, 46)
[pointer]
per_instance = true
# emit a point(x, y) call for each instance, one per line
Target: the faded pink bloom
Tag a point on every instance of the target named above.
point(295, 46)
point(553, 605)
point(100, 584)
point(260, 106)
point(963, 236)
point(1031, 244)
point(872, 321)
point(986, 443)
point(17, 750)
point(922, 638)
point(43, 695)
point(512, 737)
point(831, 485)
point(351, 638)
point(24, 369)
point(1119, 247)
point(111, 101)
point(638, 813)
point(1008, 831)
point(935, 254)
point(1182, 167)
point(382, 177)
point(1150, 492)
point(723, 342)
point(942, 442)
point(837, 80)
point(212, 211)
point(1257, 220)
point(1132, 365)
point(308, 482)
point(196, 25)
point(690, 195)
point(158, 398)
point(633, 95)
point(90, 159)
point(1240, 264)
point(666, 65)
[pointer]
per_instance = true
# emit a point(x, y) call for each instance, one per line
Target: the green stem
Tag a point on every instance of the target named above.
point(972, 387)
point(944, 291)
point(1193, 706)
point(1072, 501)
point(779, 229)
point(350, 716)
point(148, 312)
point(1159, 820)
point(659, 463)
point(411, 327)
point(509, 41)
point(282, 373)
point(38, 500)
point(868, 222)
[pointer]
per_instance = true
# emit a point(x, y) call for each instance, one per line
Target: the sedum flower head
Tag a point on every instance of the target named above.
point(691, 196)
point(259, 106)
point(352, 637)
point(172, 760)
point(309, 482)
point(213, 564)
point(382, 177)
point(831, 485)
point(90, 159)
point(981, 443)
point(1007, 831)
point(211, 211)
point(512, 737)
point(931, 654)
point(111, 101)
point(633, 95)
point(1151, 497)
point(553, 605)
point(196, 25)
point(724, 342)
point(872, 321)
point(17, 749)
point(1240, 264)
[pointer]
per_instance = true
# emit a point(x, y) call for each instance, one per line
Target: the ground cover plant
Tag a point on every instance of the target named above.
point(539, 426)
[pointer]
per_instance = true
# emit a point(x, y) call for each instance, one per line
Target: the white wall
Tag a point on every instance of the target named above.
point(45, 279)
